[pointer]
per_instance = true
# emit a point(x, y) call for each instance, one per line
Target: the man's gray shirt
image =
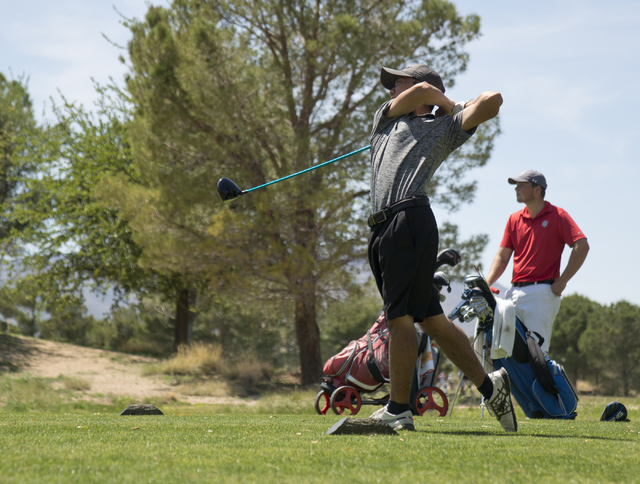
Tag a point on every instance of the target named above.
point(407, 150)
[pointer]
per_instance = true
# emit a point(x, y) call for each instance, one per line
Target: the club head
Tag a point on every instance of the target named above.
point(228, 190)
point(450, 257)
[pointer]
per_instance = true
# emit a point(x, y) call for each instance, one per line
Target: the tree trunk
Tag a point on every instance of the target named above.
point(184, 317)
point(304, 288)
point(308, 334)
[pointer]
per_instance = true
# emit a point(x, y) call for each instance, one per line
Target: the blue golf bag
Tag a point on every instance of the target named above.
point(538, 383)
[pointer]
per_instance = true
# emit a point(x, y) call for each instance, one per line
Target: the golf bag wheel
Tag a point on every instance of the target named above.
point(345, 401)
point(322, 403)
point(432, 400)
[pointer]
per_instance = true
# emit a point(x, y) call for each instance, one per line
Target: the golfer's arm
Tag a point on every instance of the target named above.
point(499, 264)
point(579, 251)
point(419, 95)
point(481, 109)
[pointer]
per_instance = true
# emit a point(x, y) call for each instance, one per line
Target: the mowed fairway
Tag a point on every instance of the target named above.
point(42, 447)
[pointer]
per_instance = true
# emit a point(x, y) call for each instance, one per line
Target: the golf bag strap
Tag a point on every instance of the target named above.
point(539, 365)
point(371, 363)
point(423, 339)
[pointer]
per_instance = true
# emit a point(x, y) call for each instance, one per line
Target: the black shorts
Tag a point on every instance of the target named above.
point(402, 256)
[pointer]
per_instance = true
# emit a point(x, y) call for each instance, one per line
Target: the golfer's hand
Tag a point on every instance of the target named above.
point(557, 287)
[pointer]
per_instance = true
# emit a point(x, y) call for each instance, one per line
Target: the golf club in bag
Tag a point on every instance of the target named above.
point(229, 191)
point(363, 365)
point(538, 383)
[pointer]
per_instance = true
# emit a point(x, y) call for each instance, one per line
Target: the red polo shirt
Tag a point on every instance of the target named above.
point(538, 243)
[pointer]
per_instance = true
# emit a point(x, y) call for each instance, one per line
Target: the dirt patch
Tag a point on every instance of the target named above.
point(108, 373)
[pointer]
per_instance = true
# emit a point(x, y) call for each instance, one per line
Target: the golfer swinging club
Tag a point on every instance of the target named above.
point(408, 144)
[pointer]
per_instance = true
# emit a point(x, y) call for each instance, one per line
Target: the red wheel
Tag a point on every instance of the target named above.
point(432, 400)
point(345, 401)
point(322, 402)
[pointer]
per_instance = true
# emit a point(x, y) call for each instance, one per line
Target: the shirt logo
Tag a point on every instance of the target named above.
point(545, 223)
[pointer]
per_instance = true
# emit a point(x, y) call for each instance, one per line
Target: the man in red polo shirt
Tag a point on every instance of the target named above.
point(536, 235)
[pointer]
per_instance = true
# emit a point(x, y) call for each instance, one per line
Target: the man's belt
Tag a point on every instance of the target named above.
point(388, 212)
point(532, 283)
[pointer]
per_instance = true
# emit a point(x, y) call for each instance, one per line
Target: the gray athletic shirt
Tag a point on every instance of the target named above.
point(407, 150)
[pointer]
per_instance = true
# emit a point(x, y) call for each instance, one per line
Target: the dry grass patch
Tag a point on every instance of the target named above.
point(169, 397)
point(207, 388)
point(197, 359)
point(76, 384)
point(248, 372)
point(202, 370)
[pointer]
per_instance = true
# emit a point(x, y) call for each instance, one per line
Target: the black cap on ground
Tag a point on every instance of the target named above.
point(614, 412)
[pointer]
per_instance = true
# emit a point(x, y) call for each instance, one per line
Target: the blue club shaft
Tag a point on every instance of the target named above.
point(308, 169)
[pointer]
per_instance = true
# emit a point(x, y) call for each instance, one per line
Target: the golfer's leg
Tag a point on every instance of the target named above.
point(403, 352)
point(455, 344)
point(537, 306)
point(549, 311)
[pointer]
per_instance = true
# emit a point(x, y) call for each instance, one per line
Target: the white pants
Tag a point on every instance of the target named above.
point(537, 307)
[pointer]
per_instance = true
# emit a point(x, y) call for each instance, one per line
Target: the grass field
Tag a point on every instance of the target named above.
point(281, 439)
point(288, 448)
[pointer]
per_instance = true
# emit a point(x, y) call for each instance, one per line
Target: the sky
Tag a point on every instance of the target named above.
point(567, 70)
point(568, 73)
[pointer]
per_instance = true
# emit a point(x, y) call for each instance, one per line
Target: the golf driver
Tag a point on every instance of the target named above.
point(229, 191)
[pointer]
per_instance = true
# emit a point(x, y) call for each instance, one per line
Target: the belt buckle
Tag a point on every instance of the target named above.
point(377, 218)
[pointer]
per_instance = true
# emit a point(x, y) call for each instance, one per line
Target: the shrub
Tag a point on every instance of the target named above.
point(75, 383)
point(197, 359)
point(248, 371)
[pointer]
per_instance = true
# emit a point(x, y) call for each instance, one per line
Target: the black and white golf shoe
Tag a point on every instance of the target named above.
point(500, 405)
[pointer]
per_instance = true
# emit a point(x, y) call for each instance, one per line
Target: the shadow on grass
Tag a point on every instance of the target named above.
point(520, 433)
point(19, 350)
point(14, 352)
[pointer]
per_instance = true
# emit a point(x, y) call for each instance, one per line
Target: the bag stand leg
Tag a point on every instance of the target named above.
point(481, 339)
point(484, 356)
point(455, 397)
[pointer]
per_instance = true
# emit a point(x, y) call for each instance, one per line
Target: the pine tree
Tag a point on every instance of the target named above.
point(256, 90)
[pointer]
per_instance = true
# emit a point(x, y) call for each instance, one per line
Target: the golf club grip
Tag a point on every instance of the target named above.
point(308, 169)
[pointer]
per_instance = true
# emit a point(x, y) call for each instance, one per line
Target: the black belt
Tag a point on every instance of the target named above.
point(386, 213)
point(532, 283)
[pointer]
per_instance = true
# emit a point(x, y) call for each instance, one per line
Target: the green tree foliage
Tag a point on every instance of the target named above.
point(80, 237)
point(572, 321)
point(20, 302)
point(143, 327)
point(68, 324)
point(247, 329)
point(70, 238)
point(470, 250)
point(611, 344)
point(256, 90)
point(18, 149)
point(76, 237)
